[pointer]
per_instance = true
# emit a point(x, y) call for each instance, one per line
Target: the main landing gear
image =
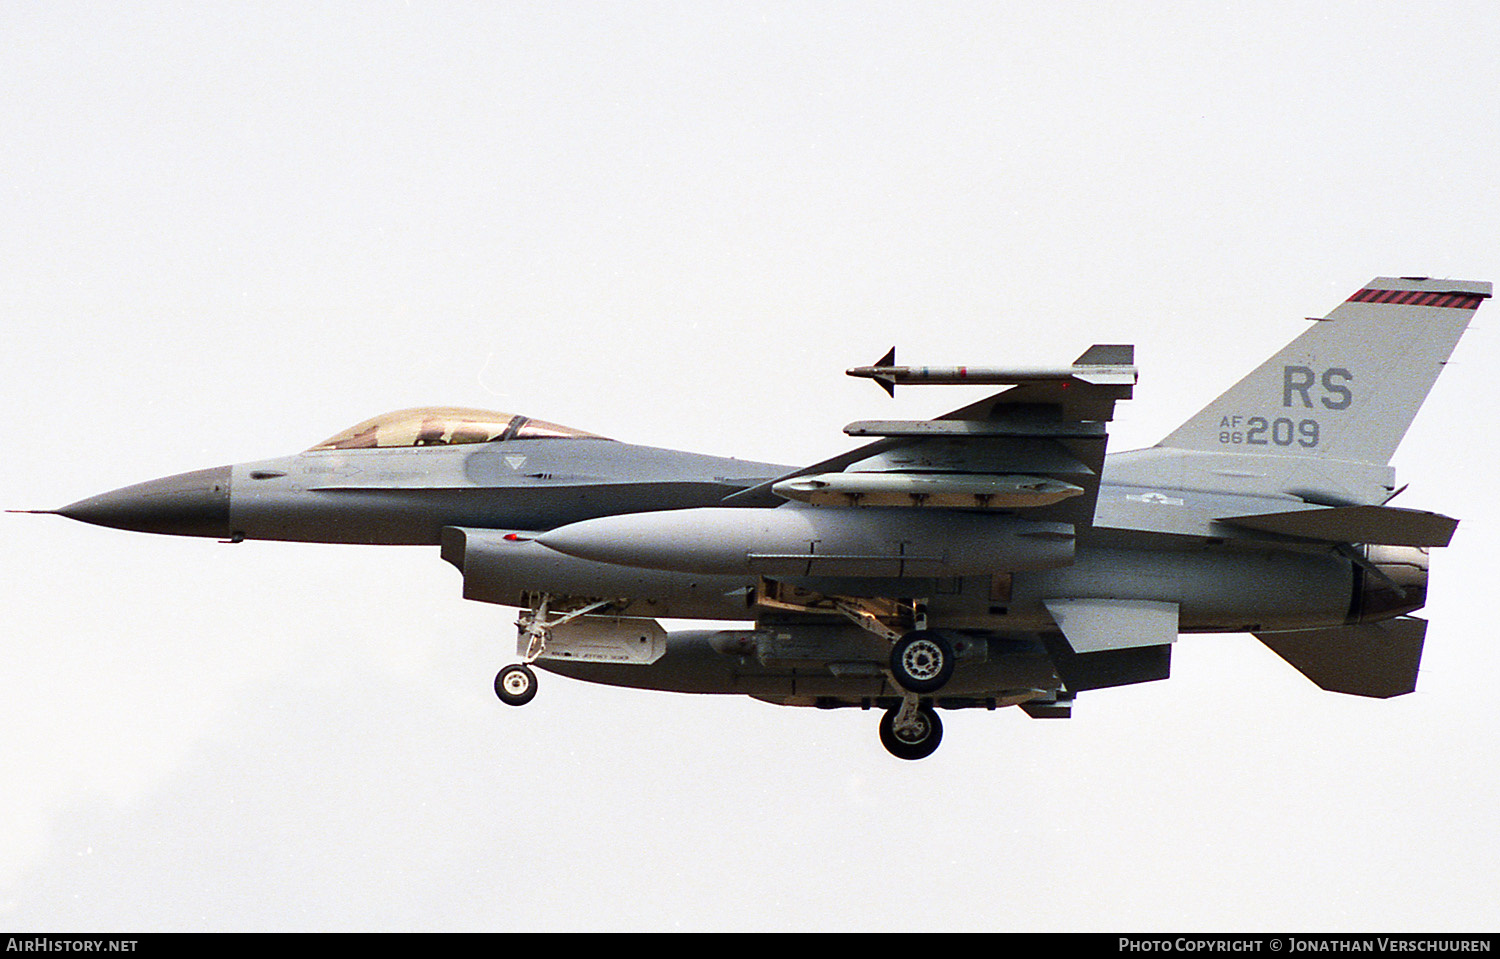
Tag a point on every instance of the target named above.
point(922, 661)
point(911, 731)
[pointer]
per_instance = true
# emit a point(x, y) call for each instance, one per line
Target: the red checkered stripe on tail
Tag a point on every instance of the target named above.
point(1456, 301)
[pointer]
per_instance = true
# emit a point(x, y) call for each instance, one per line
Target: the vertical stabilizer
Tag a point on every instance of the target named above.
point(1347, 388)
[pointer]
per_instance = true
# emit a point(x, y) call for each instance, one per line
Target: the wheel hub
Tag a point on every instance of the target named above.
point(914, 731)
point(923, 660)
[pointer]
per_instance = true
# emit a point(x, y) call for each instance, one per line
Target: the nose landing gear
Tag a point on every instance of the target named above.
point(516, 684)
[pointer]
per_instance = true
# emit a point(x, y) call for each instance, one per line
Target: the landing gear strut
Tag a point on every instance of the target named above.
point(516, 683)
point(921, 660)
point(911, 731)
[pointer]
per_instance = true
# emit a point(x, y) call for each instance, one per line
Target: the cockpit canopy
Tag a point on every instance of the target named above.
point(446, 426)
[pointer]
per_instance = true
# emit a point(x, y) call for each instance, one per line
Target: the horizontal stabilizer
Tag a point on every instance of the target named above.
point(1375, 659)
point(1383, 525)
point(1092, 625)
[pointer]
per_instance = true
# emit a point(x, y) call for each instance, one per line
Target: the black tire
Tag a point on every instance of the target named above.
point(515, 685)
point(922, 662)
point(916, 743)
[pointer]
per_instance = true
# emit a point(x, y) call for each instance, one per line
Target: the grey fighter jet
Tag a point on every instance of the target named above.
point(993, 556)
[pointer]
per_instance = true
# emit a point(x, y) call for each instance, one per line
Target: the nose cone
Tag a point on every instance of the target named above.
point(188, 504)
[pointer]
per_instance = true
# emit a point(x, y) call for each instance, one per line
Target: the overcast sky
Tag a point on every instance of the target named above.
point(231, 230)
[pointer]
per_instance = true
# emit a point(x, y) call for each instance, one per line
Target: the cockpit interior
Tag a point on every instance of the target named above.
point(446, 426)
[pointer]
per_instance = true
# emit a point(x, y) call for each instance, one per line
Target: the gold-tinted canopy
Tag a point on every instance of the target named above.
point(445, 426)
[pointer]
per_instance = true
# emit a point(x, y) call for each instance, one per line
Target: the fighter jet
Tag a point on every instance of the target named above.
point(993, 556)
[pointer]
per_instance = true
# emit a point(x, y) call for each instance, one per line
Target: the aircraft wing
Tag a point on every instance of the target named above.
point(1036, 448)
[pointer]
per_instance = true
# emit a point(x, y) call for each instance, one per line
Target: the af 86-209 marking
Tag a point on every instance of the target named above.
point(1259, 431)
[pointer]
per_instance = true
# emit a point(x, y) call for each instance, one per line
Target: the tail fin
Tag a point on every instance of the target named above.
point(1348, 388)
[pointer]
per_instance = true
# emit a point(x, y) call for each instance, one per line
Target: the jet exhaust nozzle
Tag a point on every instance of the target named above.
point(1399, 588)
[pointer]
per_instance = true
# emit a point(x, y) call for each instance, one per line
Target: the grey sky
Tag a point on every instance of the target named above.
point(233, 230)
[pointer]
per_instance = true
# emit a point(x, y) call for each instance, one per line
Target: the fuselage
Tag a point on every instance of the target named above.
point(407, 496)
point(1150, 543)
point(485, 502)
